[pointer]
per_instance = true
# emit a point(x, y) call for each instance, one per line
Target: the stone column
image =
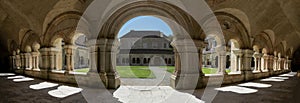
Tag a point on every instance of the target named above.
point(110, 58)
point(18, 61)
point(97, 59)
point(13, 62)
point(266, 62)
point(221, 60)
point(28, 61)
point(239, 54)
point(289, 64)
point(246, 67)
point(257, 60)
point(282, 63)
point(52, 53)
point(69, 51)
point(35, 61)
point(187, 76)
point(275, 63)
point(279, 64)
point(45, 65)
point(21, 60)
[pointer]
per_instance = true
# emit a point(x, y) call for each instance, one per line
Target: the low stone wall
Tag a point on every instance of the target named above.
point(93, 79)
point(215, 79)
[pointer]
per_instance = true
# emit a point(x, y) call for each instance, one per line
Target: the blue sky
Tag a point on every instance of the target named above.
point(145, 23)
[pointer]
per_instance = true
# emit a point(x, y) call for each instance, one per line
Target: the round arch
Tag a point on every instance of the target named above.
point(167, 12)
point(63, 26)
point(234, 28)
point(29, 39)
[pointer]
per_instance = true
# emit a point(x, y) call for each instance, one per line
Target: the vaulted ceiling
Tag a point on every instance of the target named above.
point(280, 16)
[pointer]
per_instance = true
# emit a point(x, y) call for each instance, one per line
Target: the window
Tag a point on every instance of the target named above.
point(169, 61)
point(138, 61)
point(133, 60)
point(166, 60)
point(165, 45)
point(145, 60)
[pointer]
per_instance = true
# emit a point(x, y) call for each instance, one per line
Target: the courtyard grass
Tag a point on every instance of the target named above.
point(135, 72)
point(128, 71)
point(82, 70)
point(145, 72)
point(205, 70)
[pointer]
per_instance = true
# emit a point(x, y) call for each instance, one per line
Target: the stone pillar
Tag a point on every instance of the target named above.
point(289, 64)
point(266, 62)
point(97, 59)
point(52, 53)
point(239, 54)
point(187, 58)
point(22, 57)
point(256, 56)
point(279, 64)
point(28, 59)
point(18, 61)
point(45, 65)
point(221, 60)
point(282, 64)
point(69, 51)
point(275, 63)
point(35, 61)
point(13, 60)
point(110, 58)
point(246, 67)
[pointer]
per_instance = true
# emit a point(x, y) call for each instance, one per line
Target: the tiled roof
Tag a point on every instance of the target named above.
point(146, 51)
point(140, 34)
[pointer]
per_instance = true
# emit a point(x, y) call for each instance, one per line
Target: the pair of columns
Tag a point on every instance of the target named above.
point(262, 62)
point(28, 61)
point(50, 58)
point(257, 62)
point(238, 61)
point(24, 61)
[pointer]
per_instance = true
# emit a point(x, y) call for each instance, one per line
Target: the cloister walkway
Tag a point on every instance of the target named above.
point(287, 91)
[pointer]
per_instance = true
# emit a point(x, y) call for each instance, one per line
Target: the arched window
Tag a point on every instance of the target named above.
point(138, 61)
point(170, 61)
point(145, 61)
point(133, 60)
point(166, 60)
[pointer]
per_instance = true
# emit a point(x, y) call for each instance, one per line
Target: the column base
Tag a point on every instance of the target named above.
point(248, 75)
point(186, 81)
point(44, 74)
point(113, 81)
point(36, 69)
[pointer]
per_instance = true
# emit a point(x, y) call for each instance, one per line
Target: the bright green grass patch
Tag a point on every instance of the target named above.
point(135, 72)
point(171, 69)
point(83, 70)
point(145, 72)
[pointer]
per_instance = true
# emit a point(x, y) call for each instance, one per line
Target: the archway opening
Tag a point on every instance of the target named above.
point(145, 53)
point(232, 63)
point(81, 54)
point(58, 56)
point(210, 56)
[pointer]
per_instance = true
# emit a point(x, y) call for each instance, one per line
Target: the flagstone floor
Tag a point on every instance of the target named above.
point(287, 91)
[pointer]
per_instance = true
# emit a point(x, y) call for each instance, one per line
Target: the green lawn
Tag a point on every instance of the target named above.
point(135, 72)
point(129, 71)
point(83, 70)
point(171, 69)
point(145, 72)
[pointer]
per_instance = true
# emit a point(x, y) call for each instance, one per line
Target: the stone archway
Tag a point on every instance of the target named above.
point(180, 24)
